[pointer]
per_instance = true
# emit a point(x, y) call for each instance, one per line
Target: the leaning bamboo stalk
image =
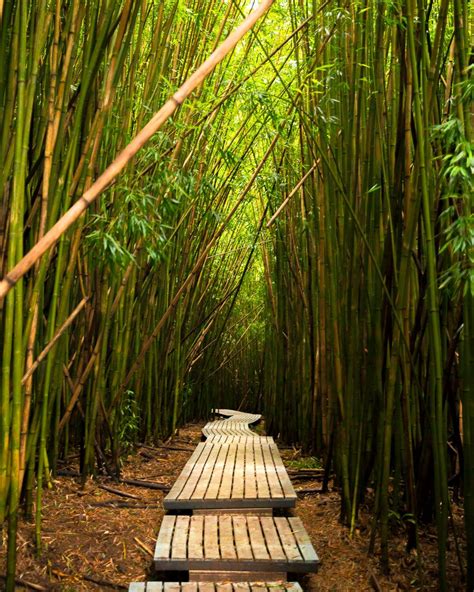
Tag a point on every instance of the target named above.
point(290, 195)
point(57, 335)
point(129, 152)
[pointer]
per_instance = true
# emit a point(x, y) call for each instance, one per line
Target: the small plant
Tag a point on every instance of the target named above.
point(305, 462)
point(129, 421)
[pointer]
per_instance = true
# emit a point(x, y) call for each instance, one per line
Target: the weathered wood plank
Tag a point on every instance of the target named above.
point(171, 587)
point(290, 546)
point(303, 540)
point(165, 536)
point(211, 541)
point(225, 489)
point(274, 484)
point(260, 472)
point(237, 491)
point(250, 483)
point(203, 483)
point(186, 472)
point(250, 577)
point(244, 549)
point(272, 540)
point(189, 587)
point(217, 470)
point(233, 511)
point(196, 537)
point(206, 586)
point(257, 539)
point(179, 545)
point(196, 472)
point(226, 538)
point(285, 482)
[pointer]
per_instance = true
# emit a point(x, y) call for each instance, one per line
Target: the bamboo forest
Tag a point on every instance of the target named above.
point(264, 206)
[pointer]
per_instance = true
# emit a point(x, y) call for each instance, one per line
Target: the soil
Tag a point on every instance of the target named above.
point(92, 542)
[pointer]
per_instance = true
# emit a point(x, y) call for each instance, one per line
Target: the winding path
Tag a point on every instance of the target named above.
point(232, 542)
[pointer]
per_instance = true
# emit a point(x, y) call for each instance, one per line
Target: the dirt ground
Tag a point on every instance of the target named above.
point(95, 539)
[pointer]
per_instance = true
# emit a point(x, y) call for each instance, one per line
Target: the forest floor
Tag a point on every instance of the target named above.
point(95, 539)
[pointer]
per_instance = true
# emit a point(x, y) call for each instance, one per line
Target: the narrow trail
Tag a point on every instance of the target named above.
point(233, 484)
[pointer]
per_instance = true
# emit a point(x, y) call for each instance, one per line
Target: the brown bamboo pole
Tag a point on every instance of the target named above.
point(290, 195)
point(111, 172)
point(58, 334)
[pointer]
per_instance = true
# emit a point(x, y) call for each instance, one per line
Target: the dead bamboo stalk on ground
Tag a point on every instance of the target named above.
point(155, 123)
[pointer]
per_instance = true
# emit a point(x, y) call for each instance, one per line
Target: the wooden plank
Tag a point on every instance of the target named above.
point(186, 472)
point(165, 536)
point(224, 587)
point(233, 511)
point(196, 471)
point(260, 587)
point(206, 586)
point(242, 587)
point(241, 535)
point(270, 470)
point(211, 541)
point(172, 587)
point(206, 474)
point(196, 537)
point(303, 540)
point(285, 482)
point(257, 541)
point(237, 576)
point(273, 540)
point(237, 491)
point(189, 587)
point(155, 587)
point(260, 473)
point(290, 546)
point(215, 481)
point(250, 484)
point(226, 538)
point(179, 545)
point(225, 489)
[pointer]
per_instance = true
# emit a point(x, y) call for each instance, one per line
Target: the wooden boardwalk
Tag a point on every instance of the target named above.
point(236, 423)
point(233, 543)
point(248, 473)
point(215, 587)
point(232, 483)
point(224, 427)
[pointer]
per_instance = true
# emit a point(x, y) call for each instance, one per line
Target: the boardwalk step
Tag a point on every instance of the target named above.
point(242, 474)
point(230, 439)
point(239, 415)
point(234, 543)
point(215, 587)
point(236, 576)
point(225, 427)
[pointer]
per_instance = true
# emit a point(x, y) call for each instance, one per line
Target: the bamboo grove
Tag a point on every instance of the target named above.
point(297, 239)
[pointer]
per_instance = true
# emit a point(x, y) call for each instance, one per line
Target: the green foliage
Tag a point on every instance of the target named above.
point(457, 217)
point(129, 421)
point(305, 462)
